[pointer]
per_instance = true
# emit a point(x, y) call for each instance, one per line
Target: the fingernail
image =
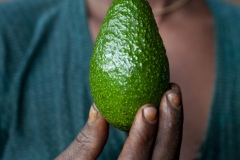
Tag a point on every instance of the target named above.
point(150, 114)
point(93, 114)
point(174, 99)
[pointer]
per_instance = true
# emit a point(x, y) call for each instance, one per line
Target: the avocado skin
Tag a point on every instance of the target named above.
point(129, 66)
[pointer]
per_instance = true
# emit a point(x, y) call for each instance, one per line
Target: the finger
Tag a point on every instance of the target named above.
point(90, 141)
point(142, 135)
point(169, 137)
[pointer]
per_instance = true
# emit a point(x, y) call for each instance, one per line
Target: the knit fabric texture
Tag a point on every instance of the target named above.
point(222, 140)
point(45, 49)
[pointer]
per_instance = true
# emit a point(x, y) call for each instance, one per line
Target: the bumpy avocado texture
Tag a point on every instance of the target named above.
point(129, 66)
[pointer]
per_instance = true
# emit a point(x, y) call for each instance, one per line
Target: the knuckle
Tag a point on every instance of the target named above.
point(83, 140)
point(83, 143)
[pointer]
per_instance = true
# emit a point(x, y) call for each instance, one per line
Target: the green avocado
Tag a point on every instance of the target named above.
point(129, 66)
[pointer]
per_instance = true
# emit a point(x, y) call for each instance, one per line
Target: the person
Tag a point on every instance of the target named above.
point(45, 49)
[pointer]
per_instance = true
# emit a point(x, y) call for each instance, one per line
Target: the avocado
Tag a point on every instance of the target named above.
point(129, 66)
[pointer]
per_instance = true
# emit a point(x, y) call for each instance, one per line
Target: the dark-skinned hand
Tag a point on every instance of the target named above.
point(155, 134)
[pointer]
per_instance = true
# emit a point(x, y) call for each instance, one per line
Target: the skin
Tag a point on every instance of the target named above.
point(155, 133)
point(189, 39)
point(188, 36)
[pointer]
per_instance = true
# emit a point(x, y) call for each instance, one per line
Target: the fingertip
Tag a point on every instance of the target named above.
point(150, 113)
point(95, 119)
point(93, 113)
point(174, 99)
point(174, 86)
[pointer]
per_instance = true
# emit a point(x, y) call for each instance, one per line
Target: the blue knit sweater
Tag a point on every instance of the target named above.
point(45, 49)
point(222, 140)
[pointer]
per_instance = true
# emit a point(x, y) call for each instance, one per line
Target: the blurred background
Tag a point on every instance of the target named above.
point(233, 1)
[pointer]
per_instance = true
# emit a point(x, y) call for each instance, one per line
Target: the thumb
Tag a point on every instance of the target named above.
point(90, 141)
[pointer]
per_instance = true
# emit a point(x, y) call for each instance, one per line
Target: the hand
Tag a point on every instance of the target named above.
point(155, 133)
